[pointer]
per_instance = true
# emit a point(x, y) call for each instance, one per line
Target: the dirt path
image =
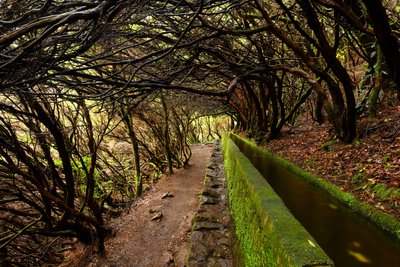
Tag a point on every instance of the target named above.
point(141, 241)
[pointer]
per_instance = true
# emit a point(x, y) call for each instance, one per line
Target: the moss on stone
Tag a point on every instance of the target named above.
point(386, 222)
point(267, 233)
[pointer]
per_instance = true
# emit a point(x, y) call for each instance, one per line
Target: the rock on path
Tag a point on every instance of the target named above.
point(141, 241)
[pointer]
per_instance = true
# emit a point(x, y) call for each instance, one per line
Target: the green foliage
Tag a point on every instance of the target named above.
point(378, 189)
point(204, 129)
point(356, 142)
point(327, 146)
point(383, 192)
point(358, 178)
point(309, 162)
point(389, 166)
point(101, 187)
point(385, 159)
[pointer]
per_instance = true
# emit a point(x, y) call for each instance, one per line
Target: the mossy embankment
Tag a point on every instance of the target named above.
point(267, 233)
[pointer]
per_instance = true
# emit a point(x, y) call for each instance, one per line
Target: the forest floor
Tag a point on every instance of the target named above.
point(369, 168)
point(156, 230)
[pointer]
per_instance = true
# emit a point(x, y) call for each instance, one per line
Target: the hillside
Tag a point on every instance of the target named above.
point(368, 168)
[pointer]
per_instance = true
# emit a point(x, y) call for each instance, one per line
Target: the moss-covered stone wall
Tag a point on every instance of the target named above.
point(267, 233)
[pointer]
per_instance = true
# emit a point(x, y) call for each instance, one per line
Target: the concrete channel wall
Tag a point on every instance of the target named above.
point(384, 221)
point(267, 233)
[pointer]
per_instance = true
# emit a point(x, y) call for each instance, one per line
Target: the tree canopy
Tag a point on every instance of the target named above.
point(80, 77)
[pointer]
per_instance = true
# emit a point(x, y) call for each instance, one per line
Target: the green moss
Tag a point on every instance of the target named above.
point(386, 222)
point(358, 178)
point(385, 192)
point(385, 159)
point(262, 220)
point(328, 145)
point(310, 162)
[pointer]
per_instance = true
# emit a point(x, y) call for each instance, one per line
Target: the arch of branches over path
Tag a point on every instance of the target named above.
point(99, 97)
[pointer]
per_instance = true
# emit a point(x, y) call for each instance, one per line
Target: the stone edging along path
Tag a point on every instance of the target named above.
point(212, 237)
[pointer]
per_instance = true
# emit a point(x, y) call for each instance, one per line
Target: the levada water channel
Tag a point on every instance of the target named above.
point(347, 238)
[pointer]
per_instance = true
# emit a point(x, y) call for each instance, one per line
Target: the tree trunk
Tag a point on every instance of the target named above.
point(166, 137)
point(319, 105)
point(254, 104)
point(344, 117)
point(373, 99)
point(274, 118)
point(386, 40)
point(135, 149)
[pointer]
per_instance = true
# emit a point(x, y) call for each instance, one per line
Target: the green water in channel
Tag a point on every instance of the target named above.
point(348, 239)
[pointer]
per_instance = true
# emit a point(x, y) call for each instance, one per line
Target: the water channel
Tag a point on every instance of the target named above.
point(347, 238)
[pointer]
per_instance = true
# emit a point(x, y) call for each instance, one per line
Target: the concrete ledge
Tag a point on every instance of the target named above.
point(267, 233)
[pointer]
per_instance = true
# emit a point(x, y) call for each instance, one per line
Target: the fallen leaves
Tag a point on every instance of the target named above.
point(377, 160)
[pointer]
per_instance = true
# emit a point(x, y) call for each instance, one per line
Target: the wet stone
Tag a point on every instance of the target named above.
point(210, 193)
point(216, 185)
point(207, 226)
point(207, 180)
point(223, 196)
point(212, 174)
point(225, 241)
point(212, 184)
point(205, 218)
point(215, 262)
point(217, 254)
point(214, 155)
point(194, 263)
point(202, 209)
point(167, 194)
point(153, 210)
point(197, 235)
point(224, 263)
point(157, 217)
point(212, 262)
point(208, 201)
point(199, 252)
